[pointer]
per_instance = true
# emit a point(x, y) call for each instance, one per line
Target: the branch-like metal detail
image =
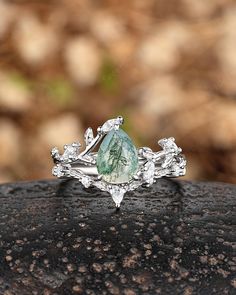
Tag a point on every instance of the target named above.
point(73, 163)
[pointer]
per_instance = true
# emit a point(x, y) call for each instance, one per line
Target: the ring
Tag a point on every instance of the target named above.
point(118, 166)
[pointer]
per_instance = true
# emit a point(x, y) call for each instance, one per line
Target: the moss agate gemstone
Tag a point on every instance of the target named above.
point(117, 158)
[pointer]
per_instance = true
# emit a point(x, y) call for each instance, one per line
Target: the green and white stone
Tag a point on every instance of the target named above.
point(117, 158)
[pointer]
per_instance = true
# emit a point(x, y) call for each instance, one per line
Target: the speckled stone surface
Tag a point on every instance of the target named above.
point(173, 238)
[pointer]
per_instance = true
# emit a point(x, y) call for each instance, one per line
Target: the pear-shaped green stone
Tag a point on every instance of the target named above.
point(117, 158)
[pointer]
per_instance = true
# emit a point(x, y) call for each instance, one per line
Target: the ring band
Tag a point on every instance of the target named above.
point(117, 167)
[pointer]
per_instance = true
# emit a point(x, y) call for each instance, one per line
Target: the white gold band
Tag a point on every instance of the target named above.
point(168, 162)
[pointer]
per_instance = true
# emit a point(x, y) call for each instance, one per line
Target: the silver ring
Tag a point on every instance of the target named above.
point(117, 167)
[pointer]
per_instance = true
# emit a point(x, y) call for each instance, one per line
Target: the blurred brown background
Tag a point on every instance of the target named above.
point(168, 67)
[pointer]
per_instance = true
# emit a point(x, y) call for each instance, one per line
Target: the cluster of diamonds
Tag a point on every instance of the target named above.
point(168, 162)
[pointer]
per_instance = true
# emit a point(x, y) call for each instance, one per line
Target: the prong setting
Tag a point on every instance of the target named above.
point(168, 162)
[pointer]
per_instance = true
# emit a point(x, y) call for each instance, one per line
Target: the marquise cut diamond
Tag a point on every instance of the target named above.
point(111, 124)
point(169, 145)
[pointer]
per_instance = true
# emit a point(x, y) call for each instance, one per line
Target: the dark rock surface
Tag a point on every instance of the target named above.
point(176, 237)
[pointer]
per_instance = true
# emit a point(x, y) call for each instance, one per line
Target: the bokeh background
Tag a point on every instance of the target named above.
point(168, 67)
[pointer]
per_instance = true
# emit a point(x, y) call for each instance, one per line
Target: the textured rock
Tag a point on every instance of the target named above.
point(172, 238)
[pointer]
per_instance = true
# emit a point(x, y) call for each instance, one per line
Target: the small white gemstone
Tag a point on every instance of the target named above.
point(86, 181)
point(54, 151)
point(111, 124)
point(169, 145)
point(117, 194)
point(58, 170)
point(149, 172)
point(146, 152)
point(88, 136)
point(70, 153)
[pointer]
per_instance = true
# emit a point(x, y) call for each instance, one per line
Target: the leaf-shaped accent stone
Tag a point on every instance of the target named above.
point(117, 194)
point(117, 159)
point(88, 136)
point(112, 124)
